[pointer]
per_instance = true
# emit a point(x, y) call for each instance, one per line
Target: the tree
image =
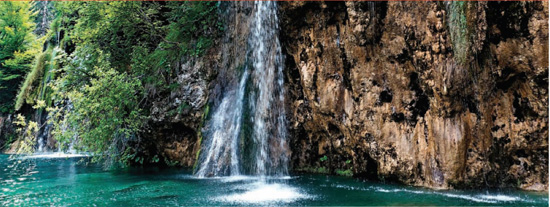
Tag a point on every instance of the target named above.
point(110, 59)
point(18, 47)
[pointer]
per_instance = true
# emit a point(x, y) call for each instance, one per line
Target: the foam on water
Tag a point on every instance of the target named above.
point(467, 197)
point(261, 192)
point(54, 155)
point(253, 178)
point(500, 197)
point(238, 178)
point(484, 198)
point(478, 198)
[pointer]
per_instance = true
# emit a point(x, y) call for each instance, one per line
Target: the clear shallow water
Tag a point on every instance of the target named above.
point(68, 181)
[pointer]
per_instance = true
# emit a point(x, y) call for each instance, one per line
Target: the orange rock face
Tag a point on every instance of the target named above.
point(435, 94)
point(432, 94)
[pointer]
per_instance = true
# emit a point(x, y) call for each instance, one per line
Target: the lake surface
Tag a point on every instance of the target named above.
point(69, 181)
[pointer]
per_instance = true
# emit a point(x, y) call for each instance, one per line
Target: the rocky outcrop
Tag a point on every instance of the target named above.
point(431, 94)
point(175, 117)
point(7, 131)
point(178, 119)
point(435, 94)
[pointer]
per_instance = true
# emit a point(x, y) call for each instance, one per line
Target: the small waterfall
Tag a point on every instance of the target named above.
point(62, 147)
point(45, 127)
point(246, 134)
point(44, 135)
point(224, 135)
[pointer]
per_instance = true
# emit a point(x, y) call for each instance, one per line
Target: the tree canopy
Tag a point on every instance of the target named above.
point(98, 64)
point(18, 47)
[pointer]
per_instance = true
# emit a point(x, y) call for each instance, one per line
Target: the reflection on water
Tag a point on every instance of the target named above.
point(66, 181)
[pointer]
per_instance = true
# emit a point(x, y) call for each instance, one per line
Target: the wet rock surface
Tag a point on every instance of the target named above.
point(434, 94)
point(7, 131)
point(442, 95)
point(178, 119)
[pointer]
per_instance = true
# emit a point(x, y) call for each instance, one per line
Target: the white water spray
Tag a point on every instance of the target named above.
point(247, 131)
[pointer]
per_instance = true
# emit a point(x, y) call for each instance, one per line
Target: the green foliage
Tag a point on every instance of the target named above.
point(115, 27)
point(18, 47)
point(16, 25)
point(109, 59)
point(204, 116)
point(171, 162)
point(347, 173)
point(9, 140)
point(155, 159)
point(106, 116)
point(324, 158)
point(24, 95)
point(28, 131)
point(197, 19)
point(182, 107)
point(319, 170)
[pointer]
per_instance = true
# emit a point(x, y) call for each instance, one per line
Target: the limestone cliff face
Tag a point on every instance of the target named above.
point(175, 129)
point(7, 130)
point(431, 94)
point(442, 95)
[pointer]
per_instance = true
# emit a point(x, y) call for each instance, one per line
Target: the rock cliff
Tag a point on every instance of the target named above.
point(435, 94)
point(431, 94)
point(178, 118)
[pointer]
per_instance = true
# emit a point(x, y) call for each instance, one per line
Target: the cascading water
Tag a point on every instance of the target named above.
point(224, 135)
point(267, 100)
point(247, 131)
point(44, 132)
point(44, 121)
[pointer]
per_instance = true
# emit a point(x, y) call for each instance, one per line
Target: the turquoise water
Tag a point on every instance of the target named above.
point(70, 182)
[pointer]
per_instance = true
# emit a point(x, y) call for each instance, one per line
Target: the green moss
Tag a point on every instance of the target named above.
point(458, 28)
point(206, 112)
point(199, 135)
point(173, 86)
point(182, 107)
point(319, 170)
point(198, 151)
point(24, 95)
point(197, 156)
point(10, 138)
point(240, 68)
point(170, 162)
point(347, 173)
point(171, 112)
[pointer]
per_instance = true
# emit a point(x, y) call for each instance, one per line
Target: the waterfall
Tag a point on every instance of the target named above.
point(246, 134)
point(267, 101)
point(224, 135)
point(45, 127)
point(44, 120)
